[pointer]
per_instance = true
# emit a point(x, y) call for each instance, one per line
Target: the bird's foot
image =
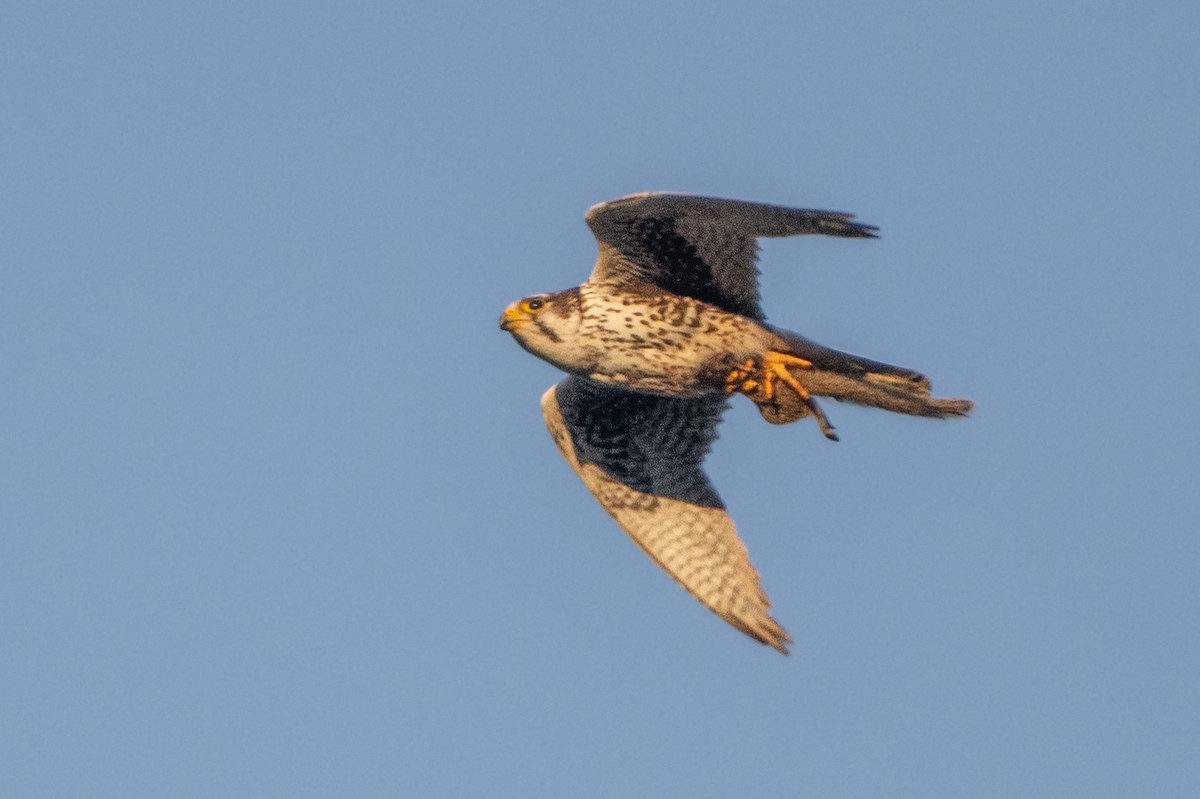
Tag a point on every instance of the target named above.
point(743, 379)
point(757, 380)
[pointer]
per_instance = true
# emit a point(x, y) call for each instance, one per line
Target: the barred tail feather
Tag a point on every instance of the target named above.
point(850, 378)
point(879, 391)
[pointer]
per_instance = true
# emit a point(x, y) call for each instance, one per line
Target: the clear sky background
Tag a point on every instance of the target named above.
point(278, 513)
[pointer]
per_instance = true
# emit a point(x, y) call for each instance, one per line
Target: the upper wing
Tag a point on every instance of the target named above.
point(701, 247)
point(640, 456)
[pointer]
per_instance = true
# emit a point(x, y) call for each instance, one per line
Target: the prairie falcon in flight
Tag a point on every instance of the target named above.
point(665, 329)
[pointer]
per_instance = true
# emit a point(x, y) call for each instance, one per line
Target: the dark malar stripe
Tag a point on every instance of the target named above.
point(550, 334)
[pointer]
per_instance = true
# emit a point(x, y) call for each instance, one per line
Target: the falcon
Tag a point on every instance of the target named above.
point(665, 330)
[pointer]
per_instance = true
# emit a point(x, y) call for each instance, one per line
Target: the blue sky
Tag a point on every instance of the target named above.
point(278, 512)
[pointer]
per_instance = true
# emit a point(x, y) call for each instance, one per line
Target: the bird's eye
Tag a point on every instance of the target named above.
point(534, 305)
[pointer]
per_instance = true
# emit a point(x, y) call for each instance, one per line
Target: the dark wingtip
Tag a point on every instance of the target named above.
point(778, 639)
point(857, 231)
point(840, 225)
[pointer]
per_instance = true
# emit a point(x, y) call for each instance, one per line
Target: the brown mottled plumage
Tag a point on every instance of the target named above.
point(667, 326)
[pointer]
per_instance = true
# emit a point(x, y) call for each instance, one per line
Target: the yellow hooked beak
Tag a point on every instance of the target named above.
point(512, 317)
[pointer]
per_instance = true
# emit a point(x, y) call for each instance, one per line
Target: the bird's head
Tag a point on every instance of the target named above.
point(546, 325)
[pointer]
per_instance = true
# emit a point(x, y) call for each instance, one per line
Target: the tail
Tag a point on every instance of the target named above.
point(849, 378)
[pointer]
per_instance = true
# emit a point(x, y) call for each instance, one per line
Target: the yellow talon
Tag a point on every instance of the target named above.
point(741, 375)
point(773, 367)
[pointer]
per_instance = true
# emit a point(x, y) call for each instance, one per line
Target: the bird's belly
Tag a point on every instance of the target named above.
point(666, 344)
point(669, 366)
